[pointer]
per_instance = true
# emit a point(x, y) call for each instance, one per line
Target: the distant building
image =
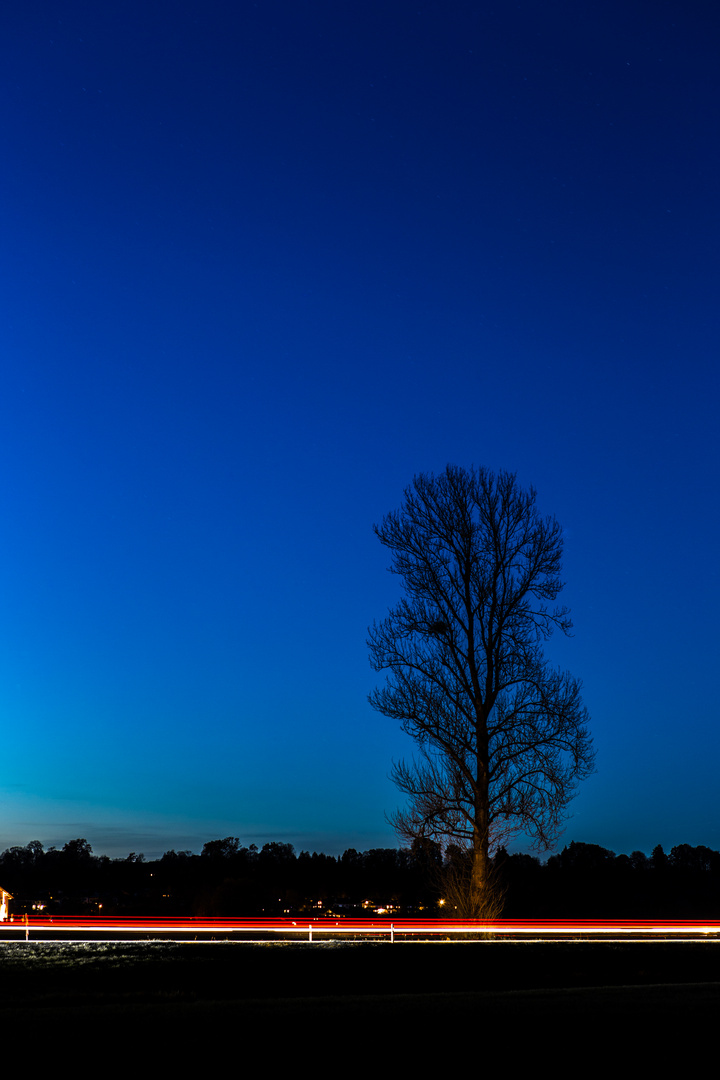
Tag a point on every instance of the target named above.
point(5, 898)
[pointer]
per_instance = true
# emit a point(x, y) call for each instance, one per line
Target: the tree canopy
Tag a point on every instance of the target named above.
point(502, 737)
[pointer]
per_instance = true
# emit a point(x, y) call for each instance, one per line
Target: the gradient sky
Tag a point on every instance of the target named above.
point(262, 263)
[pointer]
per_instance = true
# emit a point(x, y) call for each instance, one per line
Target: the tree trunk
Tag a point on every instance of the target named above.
point(483, 903)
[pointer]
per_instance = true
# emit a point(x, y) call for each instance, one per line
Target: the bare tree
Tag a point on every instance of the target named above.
point(502, 737)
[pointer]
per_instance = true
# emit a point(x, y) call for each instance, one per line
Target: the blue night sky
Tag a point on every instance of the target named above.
point(262, 263)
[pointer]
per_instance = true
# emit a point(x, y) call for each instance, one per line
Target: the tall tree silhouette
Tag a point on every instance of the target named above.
point(502, 737)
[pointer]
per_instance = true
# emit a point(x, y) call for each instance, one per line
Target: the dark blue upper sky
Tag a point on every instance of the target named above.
point(261, 264)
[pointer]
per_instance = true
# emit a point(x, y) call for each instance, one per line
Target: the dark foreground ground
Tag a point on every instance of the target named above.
point(353, 1005)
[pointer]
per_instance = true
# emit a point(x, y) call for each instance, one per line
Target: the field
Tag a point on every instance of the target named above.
point(411, 1004)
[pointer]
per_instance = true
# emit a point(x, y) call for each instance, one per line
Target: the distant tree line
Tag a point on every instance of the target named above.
point(583, 880)
point(225, 879)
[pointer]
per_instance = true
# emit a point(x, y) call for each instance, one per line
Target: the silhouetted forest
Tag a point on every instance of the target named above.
point(583, 880)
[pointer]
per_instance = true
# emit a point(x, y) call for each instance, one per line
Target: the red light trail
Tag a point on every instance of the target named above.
point(312, 929)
